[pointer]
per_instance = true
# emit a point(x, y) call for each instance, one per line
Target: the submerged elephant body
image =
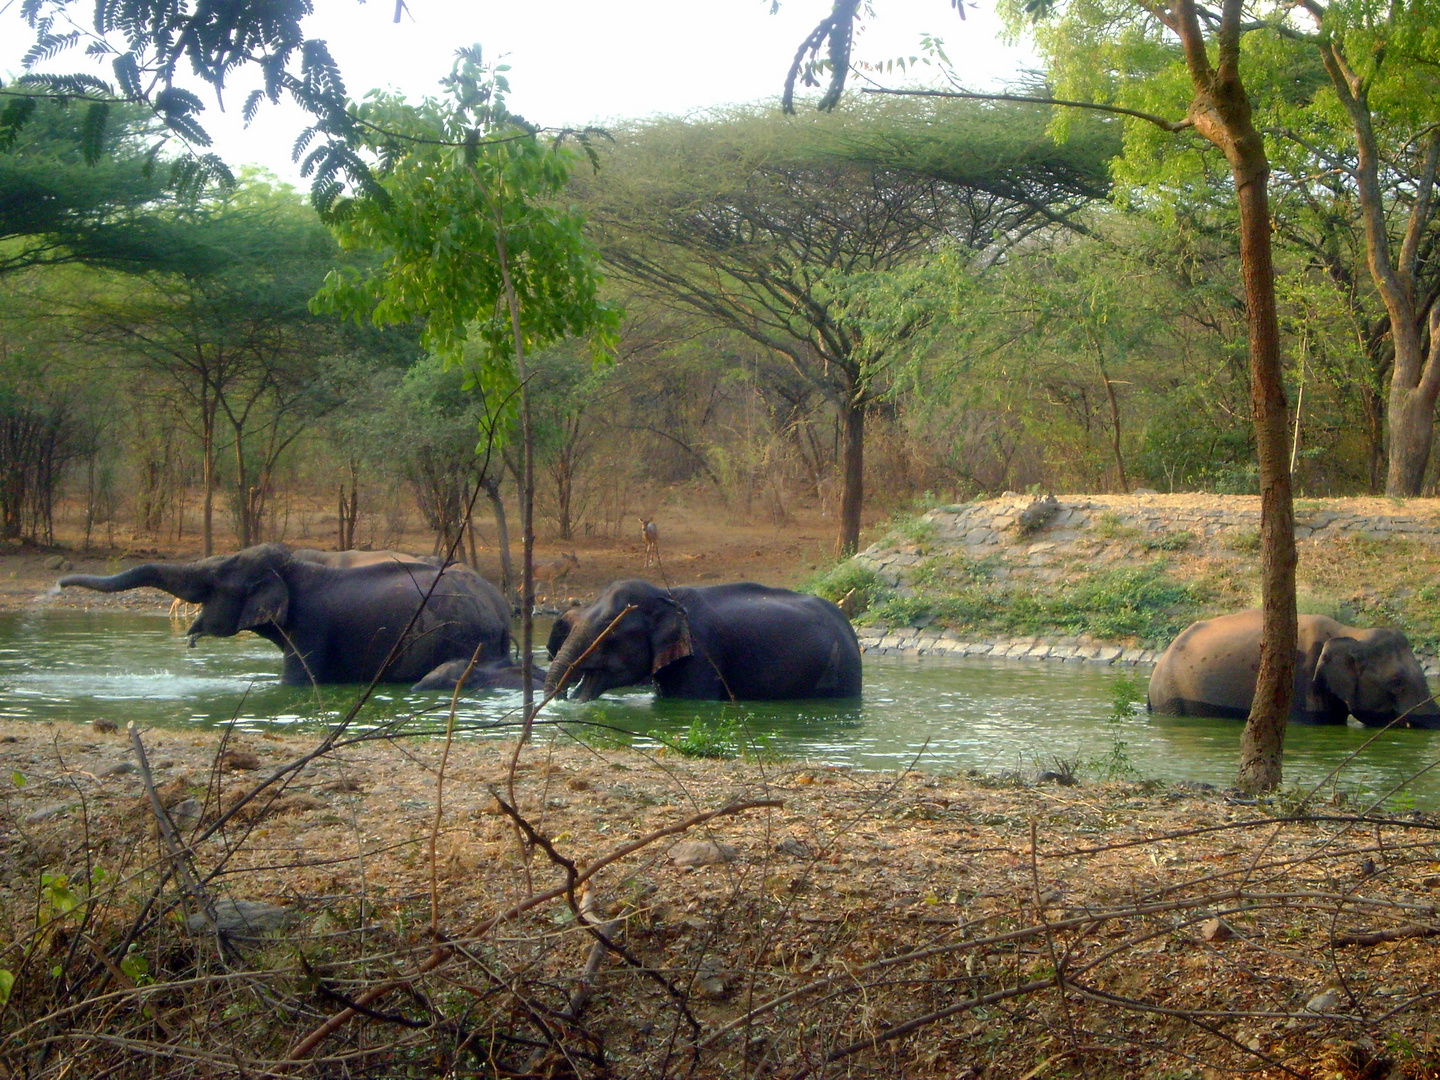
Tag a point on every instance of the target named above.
point(485, 675)
point(334, 624)
point(742, 641)
point(1340, 671)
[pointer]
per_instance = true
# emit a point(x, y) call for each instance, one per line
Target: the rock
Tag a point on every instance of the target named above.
point(795, 848)
point(186, 813)
point(1216, 930)
point(1034, 516)
point(45, 813)
point(1323, 1002)
point(243, 918)
point(104, 727)
point(120, 768)
point(693, 853)
point(57, 562)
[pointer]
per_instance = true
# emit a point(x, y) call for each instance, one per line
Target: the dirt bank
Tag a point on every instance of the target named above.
point(1110, 579)
point(911, 924)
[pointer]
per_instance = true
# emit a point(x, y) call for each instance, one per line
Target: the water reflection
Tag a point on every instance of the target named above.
point(942, 715)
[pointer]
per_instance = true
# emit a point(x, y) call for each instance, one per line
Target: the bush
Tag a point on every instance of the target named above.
point(840, 580)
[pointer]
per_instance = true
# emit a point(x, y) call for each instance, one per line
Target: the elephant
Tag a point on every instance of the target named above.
point(346, 559)
point(564, 623)
point(486, 675)
point(738, 641)
point(333, 624)
point(1340, 671)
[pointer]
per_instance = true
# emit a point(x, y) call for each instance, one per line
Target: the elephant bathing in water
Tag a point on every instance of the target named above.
point(333, 624)
point(1340, 671)
point(485, 675)
point(714, 642)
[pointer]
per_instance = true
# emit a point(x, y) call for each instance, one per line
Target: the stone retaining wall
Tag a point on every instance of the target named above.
point(1103, 530)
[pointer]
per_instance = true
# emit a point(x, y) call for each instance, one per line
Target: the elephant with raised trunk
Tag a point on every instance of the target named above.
point(333, 624)
point(716, 642)
point(1340, 671)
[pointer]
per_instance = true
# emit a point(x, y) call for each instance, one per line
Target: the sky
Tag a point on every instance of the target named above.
point(578, 62)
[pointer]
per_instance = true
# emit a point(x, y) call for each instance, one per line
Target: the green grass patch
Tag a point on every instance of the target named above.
point(1244, 540)
point(1142, 602)
point(1170, 541)
point(1111, 527)
point(843, 578)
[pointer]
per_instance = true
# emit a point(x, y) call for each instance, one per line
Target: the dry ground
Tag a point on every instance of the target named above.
point(901, 925)
point(700, 542)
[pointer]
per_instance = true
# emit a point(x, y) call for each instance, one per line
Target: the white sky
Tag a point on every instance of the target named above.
point(576, 62)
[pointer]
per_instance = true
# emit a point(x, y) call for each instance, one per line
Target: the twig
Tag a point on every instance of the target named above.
point(441, 953)
point(1379, 937)
point(178, 857)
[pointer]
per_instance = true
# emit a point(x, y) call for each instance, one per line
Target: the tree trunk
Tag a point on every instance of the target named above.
point(1221, 113)
point(852, 497)
point(1415, 377)
point(208, 468)
point(502, 537)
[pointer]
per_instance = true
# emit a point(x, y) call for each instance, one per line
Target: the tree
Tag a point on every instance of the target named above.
point(1086, 43)
point(1383, 61)
point(158, 49)
point(783, 230)
point(58, 209)
point(475, 246)
point(232, 334)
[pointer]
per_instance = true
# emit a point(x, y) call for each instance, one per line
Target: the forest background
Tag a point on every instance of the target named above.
point(826, 315)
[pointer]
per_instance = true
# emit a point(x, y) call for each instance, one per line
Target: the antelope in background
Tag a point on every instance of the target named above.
point(554, 573)
point(650, 534)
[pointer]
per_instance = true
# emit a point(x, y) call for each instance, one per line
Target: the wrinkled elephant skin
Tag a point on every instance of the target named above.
point(1340, 671)
point(486, 675)
point(334, 624)
point(718, 642)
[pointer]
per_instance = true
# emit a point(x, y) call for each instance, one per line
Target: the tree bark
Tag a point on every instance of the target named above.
point(852, 496)
point(1415, 377)
point(502, 537)
point(1221, 113)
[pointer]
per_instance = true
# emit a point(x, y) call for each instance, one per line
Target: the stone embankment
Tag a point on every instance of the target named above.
point(1101, 530)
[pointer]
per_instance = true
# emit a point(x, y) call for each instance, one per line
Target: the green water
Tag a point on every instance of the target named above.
point(942, 715)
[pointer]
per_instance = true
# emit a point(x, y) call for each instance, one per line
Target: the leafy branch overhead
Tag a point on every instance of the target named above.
point(153, 48)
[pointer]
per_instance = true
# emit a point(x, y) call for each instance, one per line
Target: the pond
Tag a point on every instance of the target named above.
point(942, 715)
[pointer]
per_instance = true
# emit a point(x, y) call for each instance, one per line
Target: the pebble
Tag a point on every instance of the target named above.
point(243, 918)
point(694, 853)
point(45, 813)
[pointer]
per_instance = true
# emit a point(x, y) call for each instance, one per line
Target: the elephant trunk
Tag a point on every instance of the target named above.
point(558, 677)
point(177, 579)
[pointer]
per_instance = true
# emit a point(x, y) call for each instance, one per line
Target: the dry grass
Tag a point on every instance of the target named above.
point(865, 924)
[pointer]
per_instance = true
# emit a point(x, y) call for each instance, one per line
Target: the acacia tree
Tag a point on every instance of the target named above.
point(475, 246)
point(226, 325)
point(1088, 41)
point(783, 230)
point(1382, 66)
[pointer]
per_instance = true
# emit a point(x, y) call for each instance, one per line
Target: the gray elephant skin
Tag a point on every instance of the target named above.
point(716, 642)
point(485, 675)
point(1340, 671)
point(333, 624)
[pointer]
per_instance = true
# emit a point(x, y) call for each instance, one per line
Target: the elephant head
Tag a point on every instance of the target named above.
point(243, 591)
point(1378, 679)
point(643, 629)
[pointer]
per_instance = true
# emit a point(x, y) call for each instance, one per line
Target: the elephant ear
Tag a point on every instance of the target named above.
point(670, 637)
point(267, 602)
point(1338, 669)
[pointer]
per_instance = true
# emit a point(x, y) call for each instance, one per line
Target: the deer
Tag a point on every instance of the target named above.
point(557, 570)
point(650, 535)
